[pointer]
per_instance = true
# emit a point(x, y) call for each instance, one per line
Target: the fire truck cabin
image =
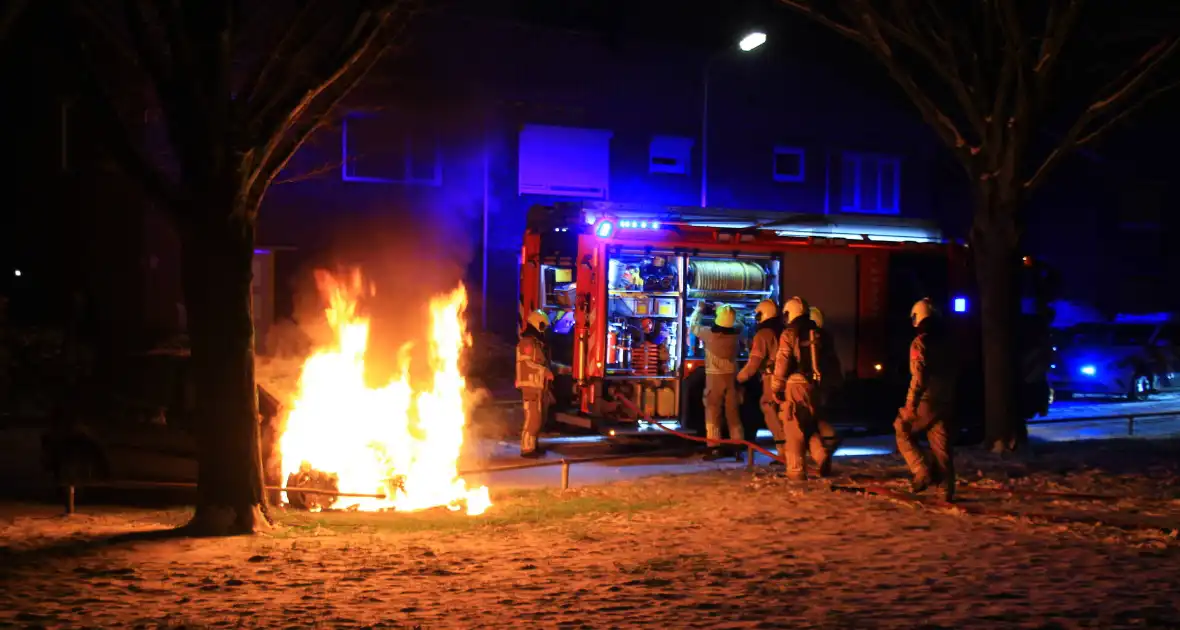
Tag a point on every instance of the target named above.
point(619, 283)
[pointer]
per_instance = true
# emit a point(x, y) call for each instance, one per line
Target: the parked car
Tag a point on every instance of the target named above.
point(1130, 356)
point(139, 429)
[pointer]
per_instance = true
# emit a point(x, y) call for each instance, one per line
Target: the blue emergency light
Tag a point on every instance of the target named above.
point(643, 225)
point(604, 229)
point(1089, 370)
point(960, 305)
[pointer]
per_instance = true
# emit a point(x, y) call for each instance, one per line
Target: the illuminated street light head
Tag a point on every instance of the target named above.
point(752, 41)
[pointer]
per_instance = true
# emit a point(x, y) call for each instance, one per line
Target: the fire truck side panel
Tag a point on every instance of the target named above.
point(530, 277)
point(871, 320)
point(827, 280)
point(590, 349)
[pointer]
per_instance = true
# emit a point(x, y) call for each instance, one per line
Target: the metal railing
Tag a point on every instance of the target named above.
point(1130, 419)
point(566, 462)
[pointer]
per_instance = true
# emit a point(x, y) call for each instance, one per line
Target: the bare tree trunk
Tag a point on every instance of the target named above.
point(996, 252)
point(218, 256)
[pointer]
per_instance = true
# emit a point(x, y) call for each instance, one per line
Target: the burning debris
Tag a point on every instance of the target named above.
point(310, 479)
point(395, 441)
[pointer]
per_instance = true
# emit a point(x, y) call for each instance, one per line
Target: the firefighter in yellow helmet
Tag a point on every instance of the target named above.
point(533, 377)
point(929, 402)
point(761, 364)
point(721, 395)
point(833, 377)
point(796, 373)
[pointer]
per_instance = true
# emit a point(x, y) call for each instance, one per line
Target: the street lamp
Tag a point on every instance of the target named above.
point(746, 44)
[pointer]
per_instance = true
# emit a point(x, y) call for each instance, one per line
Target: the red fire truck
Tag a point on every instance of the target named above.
point(619, 282)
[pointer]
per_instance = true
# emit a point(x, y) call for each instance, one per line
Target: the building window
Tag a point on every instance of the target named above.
point(870, 184)
point(789, 164)
point(389, 149)
point(670, 155)
point(565, 161)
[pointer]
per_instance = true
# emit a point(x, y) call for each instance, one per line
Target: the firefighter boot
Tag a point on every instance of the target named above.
point(795, 467)
point(780, 450)
point(528, 446)
point(714, 454)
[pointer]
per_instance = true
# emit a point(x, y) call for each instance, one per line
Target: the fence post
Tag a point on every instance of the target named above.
point(565, 475)
point(749, 457)
point(70, 499)
point(1131, 425)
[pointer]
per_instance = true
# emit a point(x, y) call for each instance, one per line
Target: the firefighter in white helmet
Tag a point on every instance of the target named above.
point(721, 395)
point(829, 367)
point(929, 402)
point(796, 372)
point(533, 377)
point(761, 364)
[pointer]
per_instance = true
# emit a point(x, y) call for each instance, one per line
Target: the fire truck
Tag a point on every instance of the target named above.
point(620, 281)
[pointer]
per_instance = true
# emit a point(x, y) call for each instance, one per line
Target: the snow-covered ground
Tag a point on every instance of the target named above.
point(721, 549)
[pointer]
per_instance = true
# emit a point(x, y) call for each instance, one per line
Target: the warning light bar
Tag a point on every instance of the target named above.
point(642, 225)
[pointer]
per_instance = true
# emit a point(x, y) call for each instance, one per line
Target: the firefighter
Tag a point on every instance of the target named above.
point(829, 367)
point(761, 363)
point(721, 395)
point(533, 377)
point(929, 402)
point(796, 372)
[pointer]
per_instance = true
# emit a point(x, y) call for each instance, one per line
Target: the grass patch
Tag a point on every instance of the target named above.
point(509, 508)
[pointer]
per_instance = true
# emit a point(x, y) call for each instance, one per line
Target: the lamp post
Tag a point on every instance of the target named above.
point(746, 44)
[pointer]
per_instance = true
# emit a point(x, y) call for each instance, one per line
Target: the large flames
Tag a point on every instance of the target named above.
point(392, 440)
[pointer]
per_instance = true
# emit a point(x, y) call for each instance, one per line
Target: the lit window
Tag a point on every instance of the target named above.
point(565, 161)
point(389, 149)
point(870, 184)
point(789, 165)
point(670, 155)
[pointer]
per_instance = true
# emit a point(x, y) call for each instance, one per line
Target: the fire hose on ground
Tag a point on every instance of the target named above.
point(750, 446)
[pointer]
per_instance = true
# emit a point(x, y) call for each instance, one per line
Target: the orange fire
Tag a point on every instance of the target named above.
point(391, 440)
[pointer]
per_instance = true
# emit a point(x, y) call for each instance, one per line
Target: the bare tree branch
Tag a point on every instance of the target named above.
point(1059, 25)
point(1136, 79)
point(9, 14)
point(907, 32)
point(293, 35)
point(314, 173)
point(867, 32)
point(305, 117)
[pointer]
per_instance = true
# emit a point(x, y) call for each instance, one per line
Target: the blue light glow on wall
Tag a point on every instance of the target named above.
point(564, 161)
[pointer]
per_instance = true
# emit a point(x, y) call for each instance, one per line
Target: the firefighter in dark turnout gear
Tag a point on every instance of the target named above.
point(721, 395)
point(929, 402)
point(763, 349)
point(796, 372)
point(533, 377)
point(833, 376)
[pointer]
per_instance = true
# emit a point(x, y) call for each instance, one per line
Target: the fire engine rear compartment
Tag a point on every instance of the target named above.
point(620, 305)
point(652, 358)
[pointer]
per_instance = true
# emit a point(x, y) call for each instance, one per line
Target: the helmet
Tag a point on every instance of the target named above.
point(647, 325)
point(817, 316)
point(765, 311)
point(725, 316)
point(538, 320)
point(923, 308)
point(794, 308)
